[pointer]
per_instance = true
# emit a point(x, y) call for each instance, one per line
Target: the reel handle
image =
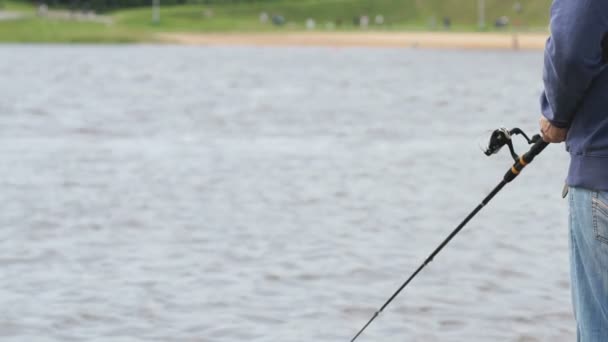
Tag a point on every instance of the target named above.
point(527, 158)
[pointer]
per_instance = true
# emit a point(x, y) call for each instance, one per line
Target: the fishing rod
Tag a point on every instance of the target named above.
point(498, 140)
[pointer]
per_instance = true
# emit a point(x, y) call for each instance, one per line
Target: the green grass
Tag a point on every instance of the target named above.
point(36, 30)
point(16, 6)
point(398, 14)
point(134, 25)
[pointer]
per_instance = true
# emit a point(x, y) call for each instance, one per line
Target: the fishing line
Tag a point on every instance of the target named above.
point(498, 139)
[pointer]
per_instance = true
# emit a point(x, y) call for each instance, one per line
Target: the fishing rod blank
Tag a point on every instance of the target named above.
point(499, 138)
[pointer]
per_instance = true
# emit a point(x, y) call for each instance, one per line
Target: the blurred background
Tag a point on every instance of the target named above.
point(273, 171)
point(143, 20)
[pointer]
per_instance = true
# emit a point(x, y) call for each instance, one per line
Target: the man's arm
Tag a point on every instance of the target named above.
point(573, 56)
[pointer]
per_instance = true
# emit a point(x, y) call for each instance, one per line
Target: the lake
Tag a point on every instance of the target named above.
point(167, 193)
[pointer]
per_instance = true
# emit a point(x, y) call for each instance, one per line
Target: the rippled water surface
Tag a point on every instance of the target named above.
point(273, 194)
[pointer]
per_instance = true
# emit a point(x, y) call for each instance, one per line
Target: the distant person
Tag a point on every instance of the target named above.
point(502, 22)
point(310, 24)
point(364, 21)
point(447, 23)
point(574, 109)
point(264, 17)
point(43, 9)
point(278, 20)
point(518, 7)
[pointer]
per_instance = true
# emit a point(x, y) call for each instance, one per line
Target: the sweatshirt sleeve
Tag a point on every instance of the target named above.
point(573, 56)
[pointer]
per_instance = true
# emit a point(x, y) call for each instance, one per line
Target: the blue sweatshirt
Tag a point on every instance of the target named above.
point(576, 87)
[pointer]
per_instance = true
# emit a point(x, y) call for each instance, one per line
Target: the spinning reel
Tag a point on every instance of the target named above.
point(499, 138)
point(502, 137)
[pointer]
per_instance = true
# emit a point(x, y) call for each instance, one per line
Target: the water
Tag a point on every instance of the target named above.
point(273, 194)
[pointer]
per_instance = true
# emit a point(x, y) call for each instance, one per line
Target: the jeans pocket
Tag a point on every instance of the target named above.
point(600, 216)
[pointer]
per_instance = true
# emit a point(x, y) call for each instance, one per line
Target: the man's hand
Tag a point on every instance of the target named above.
point(550, 133)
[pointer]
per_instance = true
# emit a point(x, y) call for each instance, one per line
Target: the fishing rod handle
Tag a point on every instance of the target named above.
point(526, 159)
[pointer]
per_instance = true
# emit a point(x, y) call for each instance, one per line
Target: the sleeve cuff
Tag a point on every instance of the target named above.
point(548, 113)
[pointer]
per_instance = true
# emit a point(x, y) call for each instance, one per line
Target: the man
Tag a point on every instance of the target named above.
point(575, 109)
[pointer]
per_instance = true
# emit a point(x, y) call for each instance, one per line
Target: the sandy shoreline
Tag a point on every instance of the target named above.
point(524, 41)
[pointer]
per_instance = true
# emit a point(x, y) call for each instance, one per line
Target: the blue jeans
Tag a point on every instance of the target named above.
point(589, 263)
